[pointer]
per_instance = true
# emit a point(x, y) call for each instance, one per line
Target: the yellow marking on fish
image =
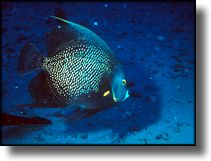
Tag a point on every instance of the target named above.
point(106, 93)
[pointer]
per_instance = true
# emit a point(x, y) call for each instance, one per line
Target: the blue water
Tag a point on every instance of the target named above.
point(155, 44)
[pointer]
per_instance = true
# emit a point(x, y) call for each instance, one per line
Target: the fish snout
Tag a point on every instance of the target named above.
point(123, 98)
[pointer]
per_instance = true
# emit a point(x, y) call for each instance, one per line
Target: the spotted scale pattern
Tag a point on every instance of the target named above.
point(77, 69)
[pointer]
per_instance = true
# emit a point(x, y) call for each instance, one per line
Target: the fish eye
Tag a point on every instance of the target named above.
point(124, 82)
point(106, 93)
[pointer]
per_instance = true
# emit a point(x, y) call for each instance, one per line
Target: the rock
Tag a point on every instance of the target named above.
point(159, 136)
point(130, 84)
point(179, 124)
point(20, 38)
point(135, 94)
point(165, 136)
point(84, 136)
point(133, 128)
point(177, 29)
point(160, 38)
point(150, 99)
point(176, 129)
point(18, 28)
point(3, 29)
point(9, 50)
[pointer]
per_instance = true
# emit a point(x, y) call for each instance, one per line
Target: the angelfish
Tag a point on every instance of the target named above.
point(79, 71)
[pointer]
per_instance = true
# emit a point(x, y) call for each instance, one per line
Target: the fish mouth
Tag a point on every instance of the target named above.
point(126, 96)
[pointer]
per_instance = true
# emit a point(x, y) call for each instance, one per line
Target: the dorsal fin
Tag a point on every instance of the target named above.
point(71, 32)
point(61, 19)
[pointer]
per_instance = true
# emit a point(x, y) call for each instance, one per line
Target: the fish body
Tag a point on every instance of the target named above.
point(80, 70)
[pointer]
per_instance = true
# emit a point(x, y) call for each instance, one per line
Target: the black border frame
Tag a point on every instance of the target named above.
point(196, 83)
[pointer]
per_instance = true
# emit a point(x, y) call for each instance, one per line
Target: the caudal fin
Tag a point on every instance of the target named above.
point(30, 59)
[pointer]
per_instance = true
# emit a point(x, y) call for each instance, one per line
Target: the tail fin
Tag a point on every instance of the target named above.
point(30, 59)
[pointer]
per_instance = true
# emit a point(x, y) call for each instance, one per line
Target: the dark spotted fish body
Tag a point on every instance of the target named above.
point(77, 71)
